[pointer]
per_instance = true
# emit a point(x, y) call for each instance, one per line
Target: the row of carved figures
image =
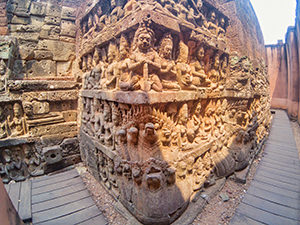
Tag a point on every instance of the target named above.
point(186, 127)
point(141, 67)
point(192, 11)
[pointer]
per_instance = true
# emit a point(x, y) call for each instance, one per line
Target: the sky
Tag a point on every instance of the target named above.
point(275, 16)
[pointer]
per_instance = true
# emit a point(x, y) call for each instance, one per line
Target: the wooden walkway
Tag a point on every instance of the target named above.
point(274, 194)
point(57, 199)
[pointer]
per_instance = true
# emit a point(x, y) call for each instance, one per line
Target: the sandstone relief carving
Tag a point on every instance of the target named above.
point(167, 108)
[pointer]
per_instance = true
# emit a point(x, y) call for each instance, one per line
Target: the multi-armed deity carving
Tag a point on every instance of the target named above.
point(167, 109)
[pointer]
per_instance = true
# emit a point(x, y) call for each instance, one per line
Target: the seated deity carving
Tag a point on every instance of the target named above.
point(214, 73)
point(112, 69)
point(168, 68)
point(184, 77)
point(17, 125)
point(145, 62)
point(211, 24)
point(198, 69)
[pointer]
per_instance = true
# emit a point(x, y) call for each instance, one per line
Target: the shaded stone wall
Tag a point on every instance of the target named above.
point(284, 70)
point(39, 87)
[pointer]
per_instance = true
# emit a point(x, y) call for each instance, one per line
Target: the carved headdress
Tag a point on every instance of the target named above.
point(166, 40)
point(144, 28)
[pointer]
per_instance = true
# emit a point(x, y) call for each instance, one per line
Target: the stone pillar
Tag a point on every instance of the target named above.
point(293, 72)
point(277, 70)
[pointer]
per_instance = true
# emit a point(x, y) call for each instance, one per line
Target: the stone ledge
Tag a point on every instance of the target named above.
point(152, 97)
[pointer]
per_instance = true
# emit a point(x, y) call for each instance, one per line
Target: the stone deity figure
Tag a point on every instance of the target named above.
point(17, 125)
point(3, 124)
point(212, 25)
point(184, 76)
point(124, 82)
point(145, 61)
point(181, 126)
point(194, 124)
point(221, 28)
point(214, 73)
point(112, 69)
point(168, 69)
point(197, 69)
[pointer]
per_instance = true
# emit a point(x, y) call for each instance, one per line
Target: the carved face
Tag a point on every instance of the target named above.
point(144, 41)
point(167, 51)
point(198, 109)
point(184, 114)
point(222, 23)
point(200, 53)
point(17, 110)
point(2, 68)
point(123, 52)
point(213, 17)
point(216, 61)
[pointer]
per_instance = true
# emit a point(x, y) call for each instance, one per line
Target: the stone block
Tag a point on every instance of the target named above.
point(52, 154)
point(38, 9)
point(52, 20)
point(53, 10)
point(61, 50)
point(41, 55)
point(3, 21)
point(3, 30)
point(70, 116)
point(20, 20)
point(63, 69)
point(68, 13)
point(37, 20)
point(11, 7)
point(50, 32)
point(68, 28)
point(26, 49)
point(40, 107)
point(19, 69)
point(43, 68)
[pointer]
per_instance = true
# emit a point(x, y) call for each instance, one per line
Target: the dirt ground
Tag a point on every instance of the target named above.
point(216, 212)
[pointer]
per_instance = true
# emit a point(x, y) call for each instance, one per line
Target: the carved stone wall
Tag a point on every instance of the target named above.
point(38, 87)
point(284, 71)
point(171, 99)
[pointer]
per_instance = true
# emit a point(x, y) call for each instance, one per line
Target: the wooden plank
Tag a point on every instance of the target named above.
point(280, 154)
point(56, 186)
point(272, 207)
point(277, 183)
point(57, 193)
point(100, 219)
point(278, 177)
point(54, 176)
point(62, 211)
point(241, 219)
point(276, 198)
point(76, 217)
point(282, 160)
point(290, 166)
point(14, 194)
point(280, 172)
point(263, 216)
point(54, 180)
point(25, 201)
point(283, 168)
point(276, 190)
point(59, 201)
